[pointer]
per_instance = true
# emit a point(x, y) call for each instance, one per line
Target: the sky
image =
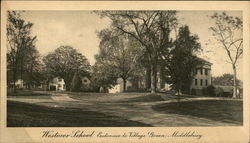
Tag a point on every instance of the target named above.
point(79, 30)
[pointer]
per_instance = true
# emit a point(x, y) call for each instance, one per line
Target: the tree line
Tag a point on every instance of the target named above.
point(149, 33)
point(136, 45)
point(24, 62)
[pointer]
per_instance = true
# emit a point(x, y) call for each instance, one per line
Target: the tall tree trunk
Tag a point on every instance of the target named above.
point(235, 82)
point(124, 84)
point(67, 84)
point(30, 77)
point(47, 84)
point(162, 77)
point(15, 65)
point(21, 73)
point(153, 78)
point(179, 87)
point(14, 79)
point(148, 78)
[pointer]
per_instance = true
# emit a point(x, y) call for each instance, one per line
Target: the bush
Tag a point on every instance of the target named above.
point(193, 91)
point(219, 91)
point(210, 90)
point(227, 94)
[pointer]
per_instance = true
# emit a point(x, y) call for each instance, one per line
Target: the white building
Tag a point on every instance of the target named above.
point(19, 83)
point(203, 76)
point(119, 87)
point(57, 84)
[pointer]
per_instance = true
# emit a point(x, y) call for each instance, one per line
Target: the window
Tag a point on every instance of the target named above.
point(59, 85)
point(206, 82)
point(195, 82)
point(201, 71)
point(201, 82)
point(206, 71)
point(59, 79)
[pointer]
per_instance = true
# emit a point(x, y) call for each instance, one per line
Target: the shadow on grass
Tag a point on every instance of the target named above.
point(28, 115)
point(155, 97)
point(227, 111)
point(27, 93)
point(144, 98)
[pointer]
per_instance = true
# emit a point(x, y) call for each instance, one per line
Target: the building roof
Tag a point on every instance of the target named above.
point(203, 61)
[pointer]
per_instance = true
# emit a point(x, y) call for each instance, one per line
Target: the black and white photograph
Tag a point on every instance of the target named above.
point(124, 71)
point(124, 68)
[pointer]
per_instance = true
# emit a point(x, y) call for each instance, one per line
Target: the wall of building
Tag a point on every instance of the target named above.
point(57, 83)
point(202, 78)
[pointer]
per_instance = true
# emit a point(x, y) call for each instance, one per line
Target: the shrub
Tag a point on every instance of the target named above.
point(218, 91)
point(210, 90)
point(193, 91)
point(227, 94)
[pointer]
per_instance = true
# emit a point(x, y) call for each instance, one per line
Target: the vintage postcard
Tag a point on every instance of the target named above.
point(125, 71)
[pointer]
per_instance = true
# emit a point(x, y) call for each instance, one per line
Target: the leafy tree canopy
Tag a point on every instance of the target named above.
point(149, 28)
point(225, 80)
point(64, 62)
point(183, 61)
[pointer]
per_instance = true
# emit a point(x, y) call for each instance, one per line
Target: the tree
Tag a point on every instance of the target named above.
point(225, 80)
point(181, 66)
point(19, 42)
point(119, 54)
point(64, 62)
point(76, 83)
point(102, 76)
point(150, 28)
point(32, 68)
point(228, 32)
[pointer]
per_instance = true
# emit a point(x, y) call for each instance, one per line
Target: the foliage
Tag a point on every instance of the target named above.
point(150, 28)
point(33, 68)
point(22, 57)
point(219, 91)
point(225, 80)
point(102, 76)
point(227, 30)
point(64, 62)
point(183, 62)
point(119, 54)
point(76, 83)
point(209, 90)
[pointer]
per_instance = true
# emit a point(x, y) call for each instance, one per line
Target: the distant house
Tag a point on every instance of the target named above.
point(115, 89)
point(202, 79)
point(86, 84)
point(85, 81)
point(203, 76)
point(57, 84)
point(19, 83)
point(119, 87)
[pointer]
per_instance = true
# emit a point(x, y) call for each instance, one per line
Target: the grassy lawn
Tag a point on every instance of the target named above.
point(144, 98)
point(57, 109)
point(27, 93)
point(219, 110)
point(30, 115)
